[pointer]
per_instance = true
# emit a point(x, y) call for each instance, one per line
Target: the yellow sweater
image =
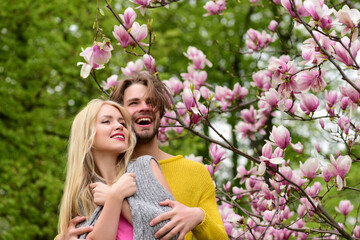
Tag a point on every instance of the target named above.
point(192, 186)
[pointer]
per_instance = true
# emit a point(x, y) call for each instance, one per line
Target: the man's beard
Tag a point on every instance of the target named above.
point(144, 138)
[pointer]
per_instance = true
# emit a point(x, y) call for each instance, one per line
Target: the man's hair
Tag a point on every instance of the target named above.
point(156, 91)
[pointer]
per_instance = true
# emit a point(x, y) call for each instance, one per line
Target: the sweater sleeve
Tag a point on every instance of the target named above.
point(212, 227)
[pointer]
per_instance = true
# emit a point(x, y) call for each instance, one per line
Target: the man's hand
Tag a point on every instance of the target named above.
point(182, 220)
point(73, 232)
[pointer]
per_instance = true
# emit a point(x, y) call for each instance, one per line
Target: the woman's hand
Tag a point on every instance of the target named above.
point(125, 186)
point(100, 192)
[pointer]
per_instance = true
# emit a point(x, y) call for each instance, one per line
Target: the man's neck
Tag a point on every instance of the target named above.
point(150, 148)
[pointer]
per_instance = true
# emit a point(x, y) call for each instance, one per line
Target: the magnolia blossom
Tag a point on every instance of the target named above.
point(299, 6)
point(257, 40)
point(215, 7)
point(342, 55)
point(319, 12)
point(344, 124)
point(111, 82)
point(132, 67)
point(262, 80)
point(95, 57)
point(273, 25)
point(356, 232)
point(190, 98)
point(142, 4)
point(310, 167)
point(280, 136)
point(122, 36)
point(197, 57)
point(149, 63)
point(309, 103)
point(350, 92)
point(311, 79)
point(350, 18)
point(345, 207)
point(174, 84)
point(129, 17)
point(311, 52)
point(314, 190)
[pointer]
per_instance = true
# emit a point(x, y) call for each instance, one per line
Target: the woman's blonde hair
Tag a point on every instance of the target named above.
point(81, 169)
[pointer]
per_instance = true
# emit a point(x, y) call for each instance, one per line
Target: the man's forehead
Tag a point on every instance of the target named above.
point(135, 91)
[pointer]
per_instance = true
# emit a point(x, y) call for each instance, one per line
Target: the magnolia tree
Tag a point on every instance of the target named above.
point(269, 198)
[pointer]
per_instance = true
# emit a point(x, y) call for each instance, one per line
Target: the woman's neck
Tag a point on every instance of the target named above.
point(106, 164)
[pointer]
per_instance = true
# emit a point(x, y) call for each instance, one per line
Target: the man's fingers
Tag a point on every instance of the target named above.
point(167, 202)
point(161, 217)
point(166, 229)
point(81, 230)
point(76, 220)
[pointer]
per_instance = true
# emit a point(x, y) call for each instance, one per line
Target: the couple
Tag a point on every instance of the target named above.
point(194, 212)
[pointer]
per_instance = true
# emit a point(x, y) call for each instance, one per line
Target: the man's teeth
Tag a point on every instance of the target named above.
point(147, 120)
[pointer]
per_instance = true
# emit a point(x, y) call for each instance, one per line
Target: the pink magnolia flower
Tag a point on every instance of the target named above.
point(198, 57)
point(224, 95)
point(309, 103)
point(342, 165)
point(239, 92)
point(257, 40)
point(342, 55)
point(273, 25)
point(271, 97)
point(215, 7)
point(280, 136)
point(314, 190)
point(328, 174)
point(189, 98)
point(311, 52)
point(122, 36)
point(299, 6)
point(311, 79)
point(149, 63)
point(199, 78)
point(95, 57)
point(344, 124)
point(317, 9)
point(142, 4)
point(174, 84)
point(350, 92)
point(205, 92)
point(246, 130)
point(227, 186)
point(283, 73)
point(262, 80)
point(249, 115)
point(270, 216)
point(331, 97)
point(310, 167)
point(356, 232)
point(350, 18)
point(129, 17)
point(132, 67)
point(321, 122)
point(290, 106)
point(243, 174)
point(139, 33)
point(111, 82)
point(345, 207)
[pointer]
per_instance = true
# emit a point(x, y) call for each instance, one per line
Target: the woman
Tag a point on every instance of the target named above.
point(100, 147)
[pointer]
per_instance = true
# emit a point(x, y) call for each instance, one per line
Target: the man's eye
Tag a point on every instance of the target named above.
point(132, 103)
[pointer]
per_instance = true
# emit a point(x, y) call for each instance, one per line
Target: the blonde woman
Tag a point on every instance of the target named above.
point(100, 148)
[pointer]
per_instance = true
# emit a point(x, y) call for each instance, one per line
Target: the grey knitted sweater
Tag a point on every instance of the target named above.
point(144, 204)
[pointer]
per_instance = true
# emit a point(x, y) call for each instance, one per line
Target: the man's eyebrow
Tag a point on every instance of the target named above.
point(132, 99)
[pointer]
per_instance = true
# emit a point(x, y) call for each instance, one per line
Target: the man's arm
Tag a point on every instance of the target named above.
point(204, 220)
point(73, 232)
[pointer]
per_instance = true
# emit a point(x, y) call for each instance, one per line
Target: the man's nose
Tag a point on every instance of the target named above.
point(144, 106)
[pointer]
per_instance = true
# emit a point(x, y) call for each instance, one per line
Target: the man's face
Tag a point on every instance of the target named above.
point(146, 120)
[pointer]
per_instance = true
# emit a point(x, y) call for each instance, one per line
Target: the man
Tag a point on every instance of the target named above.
point(195, 212)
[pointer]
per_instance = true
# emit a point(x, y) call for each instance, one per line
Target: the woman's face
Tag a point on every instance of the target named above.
point(111, 136)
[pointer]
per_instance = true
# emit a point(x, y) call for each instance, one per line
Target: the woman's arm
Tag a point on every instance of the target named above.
point(107, 224)
point(159, 175)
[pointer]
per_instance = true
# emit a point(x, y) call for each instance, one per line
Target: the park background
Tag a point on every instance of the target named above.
point(41, 91)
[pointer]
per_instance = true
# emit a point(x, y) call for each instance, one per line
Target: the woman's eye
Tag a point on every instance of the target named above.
point(124, 124)
point(105, 121)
